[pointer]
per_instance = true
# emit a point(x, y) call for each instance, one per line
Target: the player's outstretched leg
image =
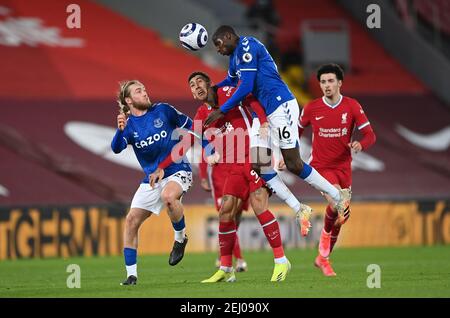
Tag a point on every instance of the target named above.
point(294, 164)
point(277, 186)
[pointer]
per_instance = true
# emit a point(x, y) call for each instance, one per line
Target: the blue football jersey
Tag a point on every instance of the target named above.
point(152, 137)
point(251, 55)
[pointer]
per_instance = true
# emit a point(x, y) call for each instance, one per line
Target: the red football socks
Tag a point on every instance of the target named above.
point(227, 239)
point(334, 235)
point(329, 219)
point(272, 231)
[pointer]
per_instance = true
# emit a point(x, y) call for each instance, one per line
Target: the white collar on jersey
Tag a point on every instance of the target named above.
point(335, 105)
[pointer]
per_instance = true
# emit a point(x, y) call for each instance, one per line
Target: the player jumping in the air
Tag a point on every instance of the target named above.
point(148, 128)
point(230, 137)
point(251, 64)
point(333, 119)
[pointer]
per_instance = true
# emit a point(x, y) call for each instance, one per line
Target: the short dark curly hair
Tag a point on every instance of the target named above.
point(202, 74)
point(331, 68)
point(221, 31)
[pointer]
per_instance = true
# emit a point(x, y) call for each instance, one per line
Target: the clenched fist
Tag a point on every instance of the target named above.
point(121, 121)
point(355, 146)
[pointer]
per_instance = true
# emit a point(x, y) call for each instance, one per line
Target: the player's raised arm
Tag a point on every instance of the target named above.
point(120, 141)
point(245, 88)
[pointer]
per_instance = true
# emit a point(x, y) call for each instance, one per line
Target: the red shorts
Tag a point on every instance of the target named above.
point(218, 176)
point(337, 176)
point(242, 181)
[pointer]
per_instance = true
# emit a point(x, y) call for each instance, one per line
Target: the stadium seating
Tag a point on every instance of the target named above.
point(436, 13)
point(56, 85)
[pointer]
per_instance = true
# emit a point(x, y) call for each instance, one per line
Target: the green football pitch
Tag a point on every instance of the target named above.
point(404, 272)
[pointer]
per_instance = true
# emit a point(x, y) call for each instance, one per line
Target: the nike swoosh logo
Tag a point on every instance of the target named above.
point(99, 142)
point(319, 118)
point(438, 141)
point(3, 191)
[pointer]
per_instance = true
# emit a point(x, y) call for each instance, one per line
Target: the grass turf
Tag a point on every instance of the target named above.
point(405, 272)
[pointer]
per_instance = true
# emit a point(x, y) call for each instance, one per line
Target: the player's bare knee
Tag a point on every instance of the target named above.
point(132, 222)
point(259, 200)
point(294, 166)
point(226, 215)
point(258, 208)
point(226, 212)
point(227, 204)
point(168, 198)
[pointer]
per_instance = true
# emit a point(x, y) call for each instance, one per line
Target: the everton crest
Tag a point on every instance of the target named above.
point(158, 123)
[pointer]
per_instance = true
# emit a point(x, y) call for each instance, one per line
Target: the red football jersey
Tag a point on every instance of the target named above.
point(332, 128)
point(229, 134)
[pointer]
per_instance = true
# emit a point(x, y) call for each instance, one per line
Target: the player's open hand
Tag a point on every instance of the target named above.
point(121, 121)
point(215, 115)
point(355, 146)
point(156, 176)
point(264, 131)
point(205, 185)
